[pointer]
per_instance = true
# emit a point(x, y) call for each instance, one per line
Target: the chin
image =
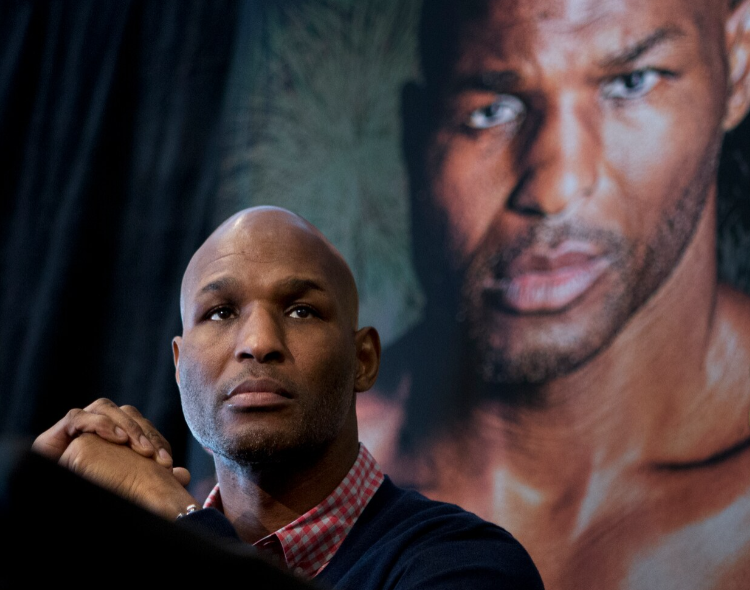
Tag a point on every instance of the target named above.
point(533, 366)
point(258, 453)
point(536, 350)
point(268, 447)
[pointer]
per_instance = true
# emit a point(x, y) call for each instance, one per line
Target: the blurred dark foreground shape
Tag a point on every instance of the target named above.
point(59, 527)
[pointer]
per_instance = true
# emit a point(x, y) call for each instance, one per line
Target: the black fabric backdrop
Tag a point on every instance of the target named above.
point(110, 118)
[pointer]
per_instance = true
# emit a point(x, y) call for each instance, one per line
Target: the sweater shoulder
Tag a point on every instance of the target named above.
point(404, 539)
point(405, 508)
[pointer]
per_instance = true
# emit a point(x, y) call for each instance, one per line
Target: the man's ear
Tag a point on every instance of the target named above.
point(737, 39)
point(367, 341)
point(176, 341)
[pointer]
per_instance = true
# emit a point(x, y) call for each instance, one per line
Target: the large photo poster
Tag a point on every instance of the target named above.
point(529, 194)
point(545, 205)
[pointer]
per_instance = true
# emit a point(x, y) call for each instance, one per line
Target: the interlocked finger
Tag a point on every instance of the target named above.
point(162, 448)
point(137, 438)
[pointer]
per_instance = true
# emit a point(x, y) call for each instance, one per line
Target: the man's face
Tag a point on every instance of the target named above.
point(267, 362)
point(575, 151)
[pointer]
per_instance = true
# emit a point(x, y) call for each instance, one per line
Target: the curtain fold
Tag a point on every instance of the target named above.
point(110, 120)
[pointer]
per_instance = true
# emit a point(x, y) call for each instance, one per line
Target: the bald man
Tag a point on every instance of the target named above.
point(268, 366)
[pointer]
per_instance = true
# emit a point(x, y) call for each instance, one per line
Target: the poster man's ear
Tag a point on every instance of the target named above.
point(738, 50)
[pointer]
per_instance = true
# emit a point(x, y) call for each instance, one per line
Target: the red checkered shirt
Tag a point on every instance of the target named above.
point(308, 543)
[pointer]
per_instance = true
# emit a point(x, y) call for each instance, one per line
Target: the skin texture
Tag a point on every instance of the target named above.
point(569, 164)
point(118, 449)
point(267, 297)
point(226, 278)
point(269, 364)
point(541, 165)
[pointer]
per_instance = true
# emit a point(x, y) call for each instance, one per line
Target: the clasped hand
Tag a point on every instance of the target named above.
point(120, 450)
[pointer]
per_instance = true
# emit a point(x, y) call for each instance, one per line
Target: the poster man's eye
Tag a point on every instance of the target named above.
point(632, 85)
point(503, 110)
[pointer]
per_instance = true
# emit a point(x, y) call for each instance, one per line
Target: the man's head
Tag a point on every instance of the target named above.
point(570, 155)
point(270, 356)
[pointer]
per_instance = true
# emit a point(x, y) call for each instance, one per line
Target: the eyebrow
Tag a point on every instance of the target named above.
point(293, 285)
point(495, 81)
point(296, 285)
point(637, 49)
point(219, 285)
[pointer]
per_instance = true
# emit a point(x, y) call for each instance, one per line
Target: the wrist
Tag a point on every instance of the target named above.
point(167, 503)
point(189, 510)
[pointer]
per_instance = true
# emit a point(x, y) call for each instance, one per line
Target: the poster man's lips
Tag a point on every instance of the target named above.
point(540, 281)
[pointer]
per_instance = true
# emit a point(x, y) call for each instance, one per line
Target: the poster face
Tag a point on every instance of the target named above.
point(537, 198)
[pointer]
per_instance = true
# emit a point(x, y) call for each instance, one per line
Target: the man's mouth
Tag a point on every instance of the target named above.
point(257, 393)
point(547, 281)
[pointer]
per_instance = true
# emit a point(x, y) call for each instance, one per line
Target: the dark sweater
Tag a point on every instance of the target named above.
point(402, 541)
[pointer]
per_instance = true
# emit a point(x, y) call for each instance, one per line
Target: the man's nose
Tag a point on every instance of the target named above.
point(561, 160)
point(261, 337)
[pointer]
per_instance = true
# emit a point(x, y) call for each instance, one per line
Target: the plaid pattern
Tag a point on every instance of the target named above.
point(309, 542)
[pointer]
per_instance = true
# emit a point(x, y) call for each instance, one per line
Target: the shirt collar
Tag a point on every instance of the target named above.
point(310, 542)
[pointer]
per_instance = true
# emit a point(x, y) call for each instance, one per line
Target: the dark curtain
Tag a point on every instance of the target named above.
point(110, 122)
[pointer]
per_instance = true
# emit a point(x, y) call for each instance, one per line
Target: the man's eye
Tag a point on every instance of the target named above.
point(301, 312)
point(220, 313)
point(632, 85)
point(503, 110)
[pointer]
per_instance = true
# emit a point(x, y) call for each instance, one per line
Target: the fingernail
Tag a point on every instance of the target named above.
point(119, 431)
point(145, 442)
point(164, 455)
